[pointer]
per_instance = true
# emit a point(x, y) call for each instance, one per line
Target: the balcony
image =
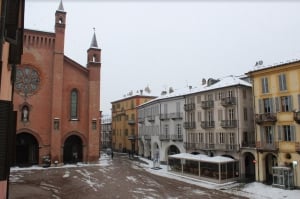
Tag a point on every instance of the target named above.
point(164, 137)
point(131, 137)
point(207, 104)
point(228, 123)
point(147, 137)
point(207, 124)
point(189, 107)
point(141, 120)
point(297, 117)
point(131, 122)
point(176, 116)
point(164, 116)
point(266, 146)
point(265, 118)
point(227, 147)
point(189, 145)
point(228, 101)
point(247, 144)
point(189, 125)
point(289, 147)
point(150, 118)
point(232, 147)
point(206, 146)
point(176, 137)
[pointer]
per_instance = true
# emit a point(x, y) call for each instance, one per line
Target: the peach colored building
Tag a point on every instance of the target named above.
point(11, 33)
point(57, 100)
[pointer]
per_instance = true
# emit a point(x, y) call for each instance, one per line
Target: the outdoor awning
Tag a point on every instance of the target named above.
point(202, 158)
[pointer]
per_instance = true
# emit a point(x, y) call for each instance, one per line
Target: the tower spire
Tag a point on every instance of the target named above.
point(94, 43)
point(61, 7)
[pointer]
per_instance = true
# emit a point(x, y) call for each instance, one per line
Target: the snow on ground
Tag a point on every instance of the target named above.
point(253, 190)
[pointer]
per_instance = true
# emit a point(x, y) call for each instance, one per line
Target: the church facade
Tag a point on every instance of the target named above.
point(57, 100)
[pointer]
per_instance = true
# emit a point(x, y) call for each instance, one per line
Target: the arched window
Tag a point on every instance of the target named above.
point(74, 104)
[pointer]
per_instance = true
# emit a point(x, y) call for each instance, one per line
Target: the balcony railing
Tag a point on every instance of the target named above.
point(176, 115)
point(150, 118)
point(189, 145)
point(189, 107)
point(207, 124)
point(265, 118)
point(267, 146)
point(147, 137)
point(176, 137)
point(227, 147)
point(297, 117)
point(228, 101)
point(131, 137)
point(189, 125)
point(164, 116)
point(228, 123)
point(131, 122)
point(141, 120)
point(207, 104)
point(249, 144)
point(164, 137)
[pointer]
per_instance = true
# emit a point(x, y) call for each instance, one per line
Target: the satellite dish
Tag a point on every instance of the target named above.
point(171, 90)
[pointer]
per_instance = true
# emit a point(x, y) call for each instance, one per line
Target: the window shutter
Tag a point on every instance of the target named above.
point(271, 102)
point(280, 82)
point(290, 101)
point(262, 137)
point(293, 135)
point(279, 133)
point(277, 104)
point(260, 106)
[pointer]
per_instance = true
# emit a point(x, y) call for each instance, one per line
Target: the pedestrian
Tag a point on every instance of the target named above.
point(112, 154)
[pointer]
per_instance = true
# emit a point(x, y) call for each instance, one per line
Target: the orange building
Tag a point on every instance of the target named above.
point(57, 100)
point(124, 122)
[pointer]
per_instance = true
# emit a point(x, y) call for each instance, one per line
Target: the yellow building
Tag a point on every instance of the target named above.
point(276, 91)
point(124, 122)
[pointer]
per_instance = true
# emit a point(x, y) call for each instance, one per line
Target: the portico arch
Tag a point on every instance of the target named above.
point(27, 149)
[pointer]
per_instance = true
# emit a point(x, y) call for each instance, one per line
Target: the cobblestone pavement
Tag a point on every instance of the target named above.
point(120, 178)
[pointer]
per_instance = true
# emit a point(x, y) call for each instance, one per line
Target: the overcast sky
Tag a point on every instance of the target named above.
point(172, 43)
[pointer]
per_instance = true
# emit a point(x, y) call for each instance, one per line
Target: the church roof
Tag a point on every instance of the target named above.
point(60, 7)
point(94, 43)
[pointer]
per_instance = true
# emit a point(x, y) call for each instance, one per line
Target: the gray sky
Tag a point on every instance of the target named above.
point(172, 43)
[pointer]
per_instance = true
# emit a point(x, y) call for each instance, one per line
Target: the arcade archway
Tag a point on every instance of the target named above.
point(73, 149)
point(249, 162)
point(27, 150)
point(173, 150)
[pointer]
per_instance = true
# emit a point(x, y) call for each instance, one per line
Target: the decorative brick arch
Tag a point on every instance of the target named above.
point(65, 137)
point(34, 134)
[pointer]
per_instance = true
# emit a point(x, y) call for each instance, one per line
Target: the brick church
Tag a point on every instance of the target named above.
point(57, 100)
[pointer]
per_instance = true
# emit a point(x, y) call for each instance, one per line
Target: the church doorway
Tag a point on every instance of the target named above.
point(73, 149)
point(27, 150)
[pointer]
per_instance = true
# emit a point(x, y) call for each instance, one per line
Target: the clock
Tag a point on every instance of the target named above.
point(27, 81)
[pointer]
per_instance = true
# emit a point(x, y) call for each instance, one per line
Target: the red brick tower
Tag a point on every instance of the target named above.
point(94, 66)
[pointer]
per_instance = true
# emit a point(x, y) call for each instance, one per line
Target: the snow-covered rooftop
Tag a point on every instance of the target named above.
point(202, 158)
point(220, 83)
